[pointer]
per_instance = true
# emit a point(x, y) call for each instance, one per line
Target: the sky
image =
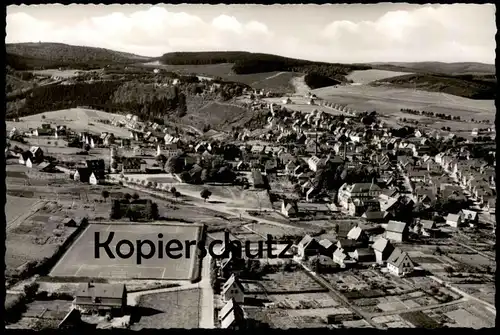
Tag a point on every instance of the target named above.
point(353, 33)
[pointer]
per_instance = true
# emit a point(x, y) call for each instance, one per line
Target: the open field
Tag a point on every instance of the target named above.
point(78, 119)
point(218, 115)
point(274, 81)
point(367, 76)
point(59, 73)
point(80, 259)
point(17, 206)
point(234, 196)
point(275, 231)
point(179, 309)
point(389, 101)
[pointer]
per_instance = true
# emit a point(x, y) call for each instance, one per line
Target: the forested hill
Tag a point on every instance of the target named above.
point(29, 56)
point(462, 68)
point(249, 63)
point(479, 87)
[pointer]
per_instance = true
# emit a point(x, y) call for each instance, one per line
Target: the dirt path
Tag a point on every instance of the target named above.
point(300, 86)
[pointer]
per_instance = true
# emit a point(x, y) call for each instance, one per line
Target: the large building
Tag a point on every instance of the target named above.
point(101, 298)
point(361, 191)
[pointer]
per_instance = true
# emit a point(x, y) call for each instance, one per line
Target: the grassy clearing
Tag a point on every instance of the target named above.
point(169, 310)
point(75, 118)
point(16, 206)
point(367, 76)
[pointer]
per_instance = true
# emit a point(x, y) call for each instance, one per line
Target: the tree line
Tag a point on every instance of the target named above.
point(249, 63)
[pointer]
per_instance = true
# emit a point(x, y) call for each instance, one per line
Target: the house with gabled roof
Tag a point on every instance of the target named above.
point(308, 246)
point(396, 231)
point(426, 228)
point(376, 216)
point(453, 220)
point(382, 249)
point(399, 263)
point(25, 156)
point(99, 297)
point(231, 316)
point(363, 255)
point(289, 208)
point(233, 289)
point(327, 247)
point(468, 217)
point(82, 174)
point(341, 257)
point(357, 234)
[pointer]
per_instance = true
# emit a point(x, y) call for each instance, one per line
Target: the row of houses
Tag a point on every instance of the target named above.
point(355, 249)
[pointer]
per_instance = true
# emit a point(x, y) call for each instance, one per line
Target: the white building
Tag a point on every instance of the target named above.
point(232, 289)
point(399, 263)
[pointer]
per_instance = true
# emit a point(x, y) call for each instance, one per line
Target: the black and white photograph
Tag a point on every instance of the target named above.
point(247, 167)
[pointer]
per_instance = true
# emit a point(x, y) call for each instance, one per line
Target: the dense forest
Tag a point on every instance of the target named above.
point(249, 63)
point(50, 98)
point(146, 100)
point(315, 80)
point(468, 86)
point(33, 56)
point(149, 101)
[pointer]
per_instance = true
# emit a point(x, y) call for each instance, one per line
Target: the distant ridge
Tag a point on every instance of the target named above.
point(24, 56)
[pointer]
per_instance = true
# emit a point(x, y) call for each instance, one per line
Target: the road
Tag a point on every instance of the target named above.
point(207, 296)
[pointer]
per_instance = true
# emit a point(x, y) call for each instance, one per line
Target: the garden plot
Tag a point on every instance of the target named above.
point(34, 240)
point(287, 282)
point(367, 283)
point(48, 309)
point(466, 314)
point(178, 309)
point(303, 301)
point(392, 321)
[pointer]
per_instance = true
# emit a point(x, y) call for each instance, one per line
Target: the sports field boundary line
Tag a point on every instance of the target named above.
point(152, 223)
point(66, 253)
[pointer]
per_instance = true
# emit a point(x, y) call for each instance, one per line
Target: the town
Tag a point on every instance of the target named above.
point(391, 222)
